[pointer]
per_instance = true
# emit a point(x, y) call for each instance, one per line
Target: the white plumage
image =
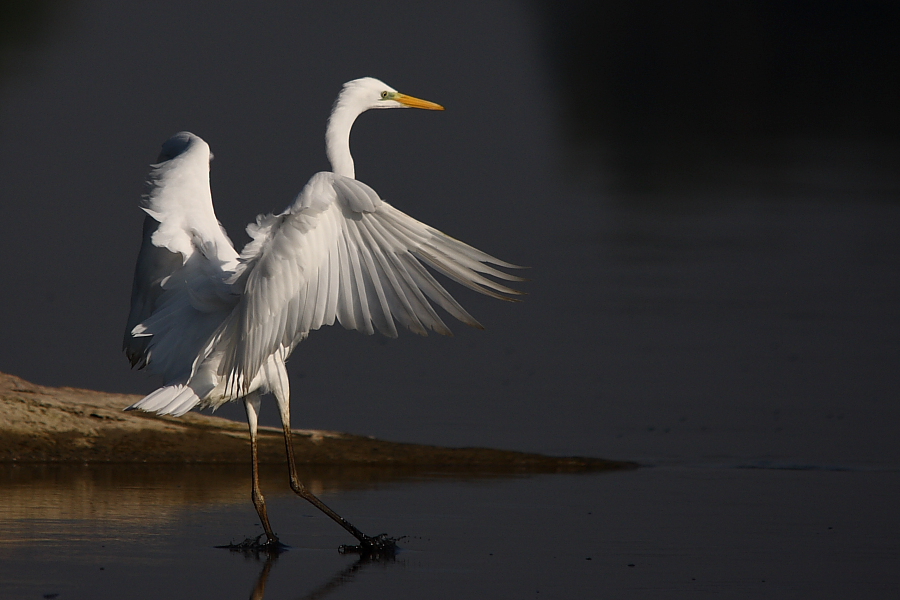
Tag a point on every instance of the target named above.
point(219, 326)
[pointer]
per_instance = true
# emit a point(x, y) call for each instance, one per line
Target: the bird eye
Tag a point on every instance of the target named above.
point(384, 95)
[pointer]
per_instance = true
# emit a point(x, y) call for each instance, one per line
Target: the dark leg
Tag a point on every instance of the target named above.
point(304, 493)
point(367, 544)
point(251, 403)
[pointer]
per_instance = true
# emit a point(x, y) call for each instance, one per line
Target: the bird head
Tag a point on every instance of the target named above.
point(368, 92)
point(355, 98)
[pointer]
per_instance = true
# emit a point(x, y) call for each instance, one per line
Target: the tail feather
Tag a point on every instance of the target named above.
point(172, 400)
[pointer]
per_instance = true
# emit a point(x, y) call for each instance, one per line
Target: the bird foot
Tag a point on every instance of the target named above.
point(379, 546)
point(271, 545)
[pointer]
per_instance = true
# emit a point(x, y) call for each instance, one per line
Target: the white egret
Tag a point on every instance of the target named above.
point(219, 326)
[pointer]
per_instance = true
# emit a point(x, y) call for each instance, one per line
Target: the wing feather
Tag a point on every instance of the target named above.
point(179, 294)
point(402, 296)
point(436, 292)
point(380, 312)
point(399, 303)
point(360, 297)
point(341, 253)
point(346, 309)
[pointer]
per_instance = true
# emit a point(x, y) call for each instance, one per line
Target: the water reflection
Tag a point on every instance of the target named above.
point(76, 519)
point(685, 530)
point(332, 584)
point(158, 492)
point(129, 492)
point(345, 576)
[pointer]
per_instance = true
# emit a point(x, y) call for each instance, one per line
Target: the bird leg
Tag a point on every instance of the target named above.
point(367, 544)
point(251, 403)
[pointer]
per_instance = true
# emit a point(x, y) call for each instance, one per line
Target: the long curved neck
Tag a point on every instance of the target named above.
point(337, 138)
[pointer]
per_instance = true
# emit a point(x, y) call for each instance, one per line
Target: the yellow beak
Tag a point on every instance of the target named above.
point(416, 102)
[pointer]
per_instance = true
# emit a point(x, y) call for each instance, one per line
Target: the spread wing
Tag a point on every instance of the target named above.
point(180, 294)
point(340, 252)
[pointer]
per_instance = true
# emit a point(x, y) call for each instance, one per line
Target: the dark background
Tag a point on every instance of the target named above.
point(706, 194)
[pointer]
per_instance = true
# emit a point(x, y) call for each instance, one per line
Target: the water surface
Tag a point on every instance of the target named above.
point(674, 532)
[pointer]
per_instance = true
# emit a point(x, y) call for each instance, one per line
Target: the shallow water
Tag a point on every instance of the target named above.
point(679, 531)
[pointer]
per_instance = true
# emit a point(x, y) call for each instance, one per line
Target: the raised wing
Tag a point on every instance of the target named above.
point(179, 294)
point(340, 252)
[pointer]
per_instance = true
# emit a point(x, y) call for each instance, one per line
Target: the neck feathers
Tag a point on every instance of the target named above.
point(337, 135)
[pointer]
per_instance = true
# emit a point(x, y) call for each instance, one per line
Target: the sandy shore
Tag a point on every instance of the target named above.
point(45, 424)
